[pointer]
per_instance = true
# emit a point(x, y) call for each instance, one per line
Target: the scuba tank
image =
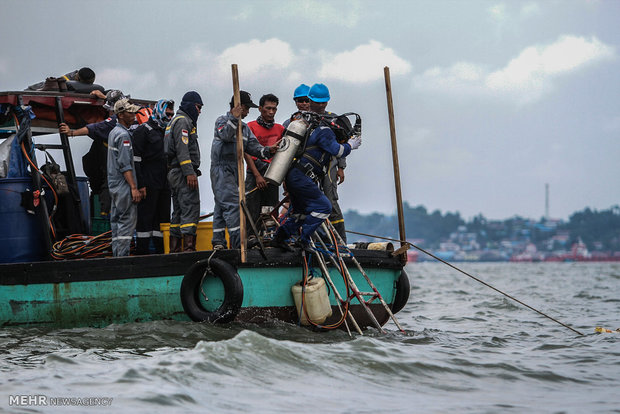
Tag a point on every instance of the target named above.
point(292, 142)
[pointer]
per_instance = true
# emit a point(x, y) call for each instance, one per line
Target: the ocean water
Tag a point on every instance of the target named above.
point(466, 349)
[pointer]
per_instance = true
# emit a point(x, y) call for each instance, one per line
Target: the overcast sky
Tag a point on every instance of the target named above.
point(492, 99)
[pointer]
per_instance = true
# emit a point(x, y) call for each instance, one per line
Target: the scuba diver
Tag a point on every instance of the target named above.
point(334, 136)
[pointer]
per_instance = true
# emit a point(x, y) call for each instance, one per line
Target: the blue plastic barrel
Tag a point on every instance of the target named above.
point(21, 236)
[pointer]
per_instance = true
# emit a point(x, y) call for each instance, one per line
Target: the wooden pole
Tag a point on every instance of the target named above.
point(399, 197)
point(240, 164)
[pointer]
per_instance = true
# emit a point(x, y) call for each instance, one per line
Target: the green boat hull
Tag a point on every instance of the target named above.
point(99, 292)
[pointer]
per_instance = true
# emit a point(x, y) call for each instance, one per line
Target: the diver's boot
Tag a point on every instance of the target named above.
point(305, 246)
point(279, 240)
point(175, 244)
point(189, 242)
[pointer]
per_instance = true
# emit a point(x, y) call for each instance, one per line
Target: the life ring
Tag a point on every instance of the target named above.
point(191, 291)
point(403, 287)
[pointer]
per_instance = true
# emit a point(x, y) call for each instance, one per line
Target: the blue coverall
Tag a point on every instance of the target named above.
point(310, 206)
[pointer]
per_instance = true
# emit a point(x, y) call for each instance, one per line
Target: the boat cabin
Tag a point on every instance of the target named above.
point(34, 216)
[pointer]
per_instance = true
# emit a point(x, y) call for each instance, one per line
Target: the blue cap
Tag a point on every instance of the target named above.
point(301, 90)
point(318, 93)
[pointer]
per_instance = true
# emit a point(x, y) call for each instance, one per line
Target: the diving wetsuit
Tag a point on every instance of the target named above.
point(309, 205)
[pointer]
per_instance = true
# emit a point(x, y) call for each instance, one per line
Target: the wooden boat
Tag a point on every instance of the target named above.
point(213, 286)
point(97, 292)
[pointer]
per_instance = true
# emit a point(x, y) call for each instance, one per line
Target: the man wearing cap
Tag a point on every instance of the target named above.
point(318, 99)
point(94, 161)
point(183, 151)
point(300, 96)
point(152, 170)
point(122, 180)
point(224, 178)
point(309, 205)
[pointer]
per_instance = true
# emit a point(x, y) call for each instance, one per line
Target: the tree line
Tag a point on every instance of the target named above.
point(599, 230)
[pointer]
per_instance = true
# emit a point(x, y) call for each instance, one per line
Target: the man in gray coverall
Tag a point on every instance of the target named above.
point(224, 178)
point(122, 181)
point(181, 146)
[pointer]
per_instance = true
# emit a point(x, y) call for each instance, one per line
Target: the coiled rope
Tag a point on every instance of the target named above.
point(80, 246)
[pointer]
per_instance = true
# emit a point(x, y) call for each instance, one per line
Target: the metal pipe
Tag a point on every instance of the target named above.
point(66, 150)
point(361, 270)
point(356, 291)
point(323, 267)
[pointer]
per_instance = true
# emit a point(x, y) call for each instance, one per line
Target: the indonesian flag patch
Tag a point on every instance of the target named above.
point(184, 136)
point(126, 143)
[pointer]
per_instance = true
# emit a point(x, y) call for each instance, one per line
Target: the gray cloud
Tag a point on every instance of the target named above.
point(525, 78)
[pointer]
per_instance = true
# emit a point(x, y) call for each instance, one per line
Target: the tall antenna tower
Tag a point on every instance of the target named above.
point(547, 201)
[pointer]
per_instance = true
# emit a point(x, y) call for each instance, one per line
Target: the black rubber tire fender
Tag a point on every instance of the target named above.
point(403, 287)
point(233, 292)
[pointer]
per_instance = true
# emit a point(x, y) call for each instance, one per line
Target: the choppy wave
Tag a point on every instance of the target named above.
point(465, 349)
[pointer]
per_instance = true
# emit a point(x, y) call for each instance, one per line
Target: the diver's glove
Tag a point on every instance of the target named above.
point(355, 142)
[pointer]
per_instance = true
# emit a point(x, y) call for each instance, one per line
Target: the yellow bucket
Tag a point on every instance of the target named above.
point(204, 234)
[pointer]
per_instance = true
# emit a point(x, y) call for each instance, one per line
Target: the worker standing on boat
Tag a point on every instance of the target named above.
point(309, 205)
point(122, 180)
point(183, 152)
point(319, 97)
point(268, 133)
point(152, 170)
point(95, 160)
point(300, 96)
point(224, 179)
point(335, 170)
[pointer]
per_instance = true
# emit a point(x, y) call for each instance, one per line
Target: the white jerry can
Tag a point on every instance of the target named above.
point(316, 301)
